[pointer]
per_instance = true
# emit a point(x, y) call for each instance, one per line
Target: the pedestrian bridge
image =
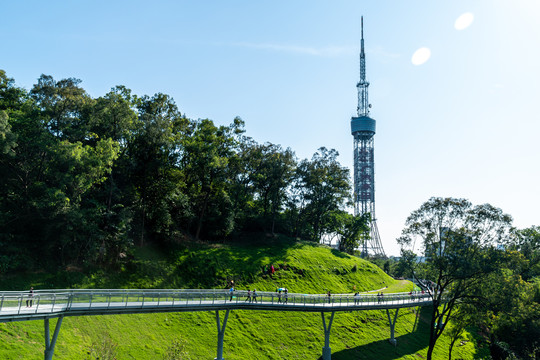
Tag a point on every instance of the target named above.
point(47, 304)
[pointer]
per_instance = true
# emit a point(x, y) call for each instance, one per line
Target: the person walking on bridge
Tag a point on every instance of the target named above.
point(329, 297)
point(254, 296)
point(231, 292)
point(279, 296)
point(248, 296)
point(30, 296)
point(285, 296)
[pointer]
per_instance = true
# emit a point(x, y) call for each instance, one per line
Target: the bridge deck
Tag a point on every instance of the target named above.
point(55, 303)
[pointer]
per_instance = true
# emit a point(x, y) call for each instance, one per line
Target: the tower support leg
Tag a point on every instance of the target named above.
point(50, 343)
point(326, 351)
point(221, 334)
point(392, 339)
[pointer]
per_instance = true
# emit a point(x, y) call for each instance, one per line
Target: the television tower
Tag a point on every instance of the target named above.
point(363, 130)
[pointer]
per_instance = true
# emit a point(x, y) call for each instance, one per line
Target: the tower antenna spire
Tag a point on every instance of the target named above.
point(362, 26)
point(363, 103)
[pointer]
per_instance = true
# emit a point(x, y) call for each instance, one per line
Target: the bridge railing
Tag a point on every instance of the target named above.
point(51, 301)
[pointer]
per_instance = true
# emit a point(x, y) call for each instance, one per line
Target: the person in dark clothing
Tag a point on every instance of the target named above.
point(30, 296)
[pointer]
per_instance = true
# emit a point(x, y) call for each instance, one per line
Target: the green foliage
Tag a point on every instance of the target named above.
point(323, 187)
point(352, 230)
point(87, 179)
point(527, 242)
point(458, 241)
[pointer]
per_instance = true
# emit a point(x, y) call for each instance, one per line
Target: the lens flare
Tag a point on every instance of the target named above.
point(420, 56)
point(464, 21)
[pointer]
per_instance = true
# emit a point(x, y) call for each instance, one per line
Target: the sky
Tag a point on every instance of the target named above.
point(454, 85)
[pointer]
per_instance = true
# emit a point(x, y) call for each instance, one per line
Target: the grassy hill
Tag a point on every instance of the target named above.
point(301, 267)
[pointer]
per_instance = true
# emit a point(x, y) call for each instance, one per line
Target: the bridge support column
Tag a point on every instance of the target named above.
point(392, 339)
point(221, 334)
point(49, 343)
point(326, 351)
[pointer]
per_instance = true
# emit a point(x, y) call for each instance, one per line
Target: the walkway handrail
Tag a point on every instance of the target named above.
point(21, 305)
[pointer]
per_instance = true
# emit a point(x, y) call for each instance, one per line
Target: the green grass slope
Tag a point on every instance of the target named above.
point(301, 267)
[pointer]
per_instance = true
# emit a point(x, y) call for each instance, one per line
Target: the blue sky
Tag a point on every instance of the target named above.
point(464, 124)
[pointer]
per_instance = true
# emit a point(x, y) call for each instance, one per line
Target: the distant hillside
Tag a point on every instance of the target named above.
point(301, 267)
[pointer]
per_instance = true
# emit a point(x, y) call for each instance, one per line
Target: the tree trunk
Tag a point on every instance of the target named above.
point(201, 216)
point(432, 331)
point(451, 347)
point(142, 226)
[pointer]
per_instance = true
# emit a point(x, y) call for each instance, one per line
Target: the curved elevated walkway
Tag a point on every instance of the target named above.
point(47, 304)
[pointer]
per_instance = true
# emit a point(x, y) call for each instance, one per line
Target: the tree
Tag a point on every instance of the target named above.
point(206, 150)
point(11, 97)
point(271, 172)
point(351, 230)
point(154, 153)
point(7, 138)
point(527, 242)
point(64, 107)
point(459, 242)
point(324, 187)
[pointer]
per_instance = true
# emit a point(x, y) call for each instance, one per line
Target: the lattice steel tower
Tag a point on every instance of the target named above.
point(363, 130)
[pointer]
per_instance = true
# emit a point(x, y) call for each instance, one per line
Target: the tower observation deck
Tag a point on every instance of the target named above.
point(363, 130)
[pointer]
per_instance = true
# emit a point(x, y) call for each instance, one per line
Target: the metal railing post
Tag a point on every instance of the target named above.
point(54, 302)
point(37, 304)
point(20, 303)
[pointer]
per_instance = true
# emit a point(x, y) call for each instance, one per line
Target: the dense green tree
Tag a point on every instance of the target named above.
point(241, 166)
point(459, 243)
point(527, 242)
point(63, 106)
point(114, 116)
point(154, 155)
point(272, 170)
point(11, 97)
point(7, 137)
point(83, 177)
point(351, 230)
point(324, 187)
point(205, 156)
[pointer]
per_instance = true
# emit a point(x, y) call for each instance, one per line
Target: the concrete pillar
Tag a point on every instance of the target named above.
point(221, 334)
point(326, 351)
point(50, 343)
point(392, 339)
